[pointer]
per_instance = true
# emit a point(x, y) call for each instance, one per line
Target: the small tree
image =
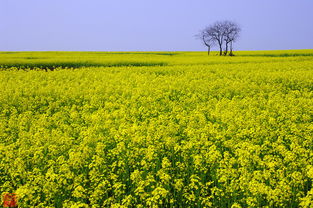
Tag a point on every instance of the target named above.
point(206, 40)
point(216, 33)
point(231, 34)
point(219, 33)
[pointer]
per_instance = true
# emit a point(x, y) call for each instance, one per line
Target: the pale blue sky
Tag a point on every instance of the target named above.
point(150, 25)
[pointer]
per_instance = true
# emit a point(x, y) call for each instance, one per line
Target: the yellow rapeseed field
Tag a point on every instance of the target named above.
point(157, 129)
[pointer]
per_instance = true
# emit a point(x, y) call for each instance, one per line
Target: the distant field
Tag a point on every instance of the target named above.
point(157, 129)
point(52, 60)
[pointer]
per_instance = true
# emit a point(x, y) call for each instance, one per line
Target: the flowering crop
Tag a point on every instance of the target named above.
point(178, 130)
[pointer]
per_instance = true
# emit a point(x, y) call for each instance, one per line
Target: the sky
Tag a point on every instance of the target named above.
point(150, 25)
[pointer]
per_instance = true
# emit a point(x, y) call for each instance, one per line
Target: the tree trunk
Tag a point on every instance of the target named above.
point(231, 49)
point(226, 49)
point(221, 50)
point(209, 49)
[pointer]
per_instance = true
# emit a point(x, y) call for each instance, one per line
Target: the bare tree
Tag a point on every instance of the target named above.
point(233, 38)
point(231, 34)
point(206, 40)
point(218, 33)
